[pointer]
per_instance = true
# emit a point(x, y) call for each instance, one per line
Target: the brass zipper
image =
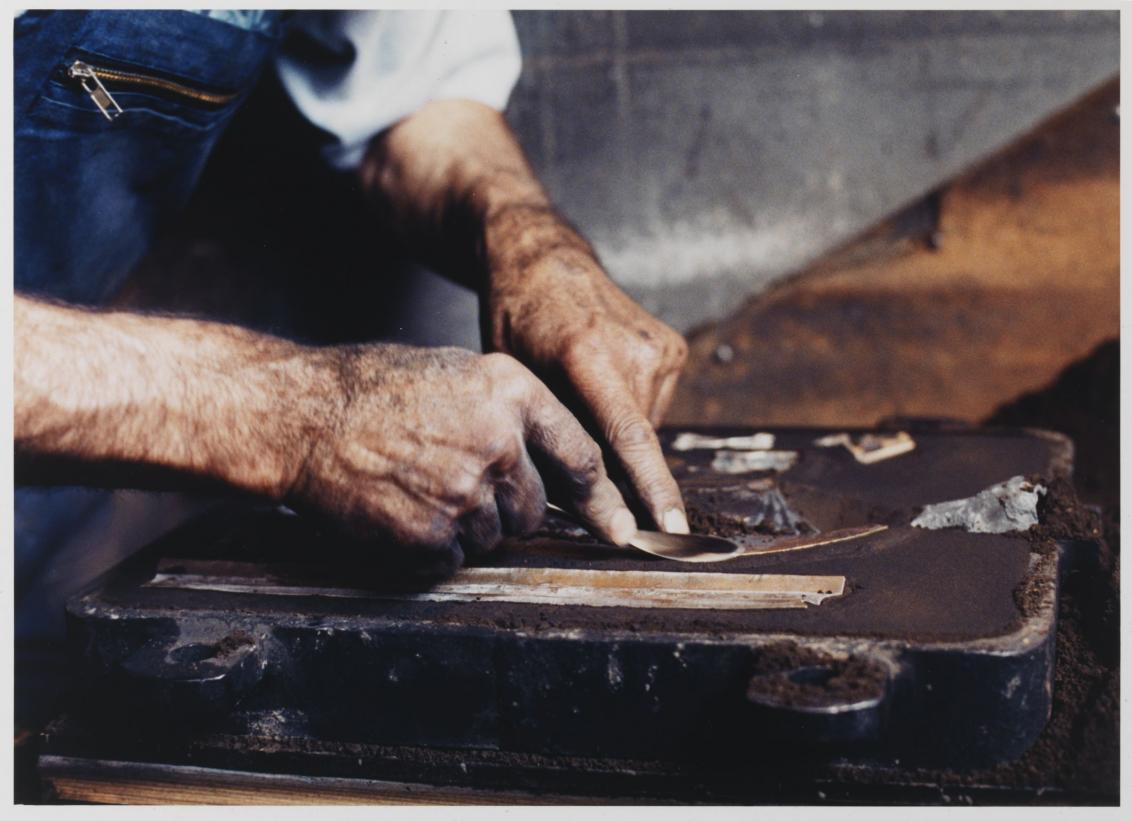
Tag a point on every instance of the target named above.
point(92, 79)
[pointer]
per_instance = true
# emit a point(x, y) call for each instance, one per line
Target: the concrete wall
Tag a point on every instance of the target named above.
point(708, 154)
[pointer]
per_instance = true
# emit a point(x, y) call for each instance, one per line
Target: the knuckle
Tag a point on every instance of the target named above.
point(503, 453)
point(479, 534)
point(500, 365)
point(453, 353)
point(441, 563)
point(433, 531)
point(530, 516)
point(589, 468)
point(630, 432)
point(580, 348)
point(521, 500)
point(679, 350)
point(508, 379)
point(649, 357)
point(464, 488)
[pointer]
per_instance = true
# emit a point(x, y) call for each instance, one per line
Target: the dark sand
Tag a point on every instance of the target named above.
point(842, 681)
point(905, 583)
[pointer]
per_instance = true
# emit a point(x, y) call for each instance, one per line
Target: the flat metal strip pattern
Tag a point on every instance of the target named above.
point(545, 586)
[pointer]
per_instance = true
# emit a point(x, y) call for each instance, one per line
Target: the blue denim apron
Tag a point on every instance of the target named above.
point(91, 193)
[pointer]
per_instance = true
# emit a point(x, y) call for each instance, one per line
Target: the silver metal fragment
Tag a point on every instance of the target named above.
point(694, 441)
point(749, 461)
point(1009, 506)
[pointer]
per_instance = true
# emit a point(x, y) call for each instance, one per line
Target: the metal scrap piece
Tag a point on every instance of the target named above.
point(528, 585)
point(1008, 506)
point(749, 461)
point(871, 447)
point(696, 441)
point(751, 505)
point(758, 546)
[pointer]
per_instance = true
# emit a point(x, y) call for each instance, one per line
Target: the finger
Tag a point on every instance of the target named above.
point(430, 565)
point(481, 529)
point(574, 458)
point(636, 445)
point(521, 497)
point(663, 399)
point(419, 562)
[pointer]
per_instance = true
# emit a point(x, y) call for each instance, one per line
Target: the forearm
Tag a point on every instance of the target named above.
point(196, 398)
point(452, 181)
point(426, 448)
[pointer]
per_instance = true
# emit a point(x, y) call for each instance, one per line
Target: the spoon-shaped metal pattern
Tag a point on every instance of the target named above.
point(676, 546)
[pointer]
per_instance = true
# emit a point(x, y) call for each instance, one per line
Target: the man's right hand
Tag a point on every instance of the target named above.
point(425, 453)
point(436, 450)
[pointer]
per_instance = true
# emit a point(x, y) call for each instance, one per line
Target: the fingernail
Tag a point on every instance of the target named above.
point(675, 522)
point(622, 527)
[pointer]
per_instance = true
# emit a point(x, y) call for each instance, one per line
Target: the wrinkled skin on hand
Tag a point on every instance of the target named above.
point(453, 180)
point(618, 364)
point(433, 453)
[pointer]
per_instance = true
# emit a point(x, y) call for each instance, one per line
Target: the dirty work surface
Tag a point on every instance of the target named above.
point(1079, 750)
point(904, 583)
point(850, 680)
point(829, 489)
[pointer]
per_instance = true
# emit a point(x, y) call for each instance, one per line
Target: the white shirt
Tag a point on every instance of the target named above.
point(359, 72)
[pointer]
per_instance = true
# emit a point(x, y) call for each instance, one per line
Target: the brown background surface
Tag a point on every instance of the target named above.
point(984, 291)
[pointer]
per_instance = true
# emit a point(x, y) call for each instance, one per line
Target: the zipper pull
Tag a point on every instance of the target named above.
point(93, 86)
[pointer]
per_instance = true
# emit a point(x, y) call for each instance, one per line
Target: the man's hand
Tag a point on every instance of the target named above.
point(452, 181)
point(563, 316)
point(434, 447)
point(430, 450)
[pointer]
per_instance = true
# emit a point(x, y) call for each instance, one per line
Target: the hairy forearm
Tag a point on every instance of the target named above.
point(452, 181)
point(422, 448)
point(197, 399)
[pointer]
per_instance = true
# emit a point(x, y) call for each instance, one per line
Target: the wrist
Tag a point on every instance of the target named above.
point(543, 285)
point(282, 403)
point(529, 243)
point(221, 403)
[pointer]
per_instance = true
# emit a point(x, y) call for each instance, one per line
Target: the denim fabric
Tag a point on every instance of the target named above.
point(250, 19)
point(89, 196)
point(91, 193)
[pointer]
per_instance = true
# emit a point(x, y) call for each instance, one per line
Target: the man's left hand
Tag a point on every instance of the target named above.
point(567, 320)
point(452, 182)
